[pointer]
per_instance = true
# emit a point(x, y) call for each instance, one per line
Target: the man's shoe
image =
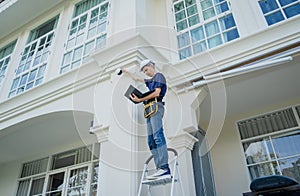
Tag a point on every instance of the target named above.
point(160, 174)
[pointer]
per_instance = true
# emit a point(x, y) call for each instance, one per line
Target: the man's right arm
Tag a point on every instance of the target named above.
point(133, 76)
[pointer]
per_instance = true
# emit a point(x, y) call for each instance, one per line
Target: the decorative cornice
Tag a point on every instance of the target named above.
point(101, 132)
point(184, 140)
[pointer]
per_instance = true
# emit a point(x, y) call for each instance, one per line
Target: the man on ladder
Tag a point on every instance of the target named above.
point(154, 111)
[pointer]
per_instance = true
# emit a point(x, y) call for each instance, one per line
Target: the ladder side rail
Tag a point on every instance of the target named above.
point(142, 178)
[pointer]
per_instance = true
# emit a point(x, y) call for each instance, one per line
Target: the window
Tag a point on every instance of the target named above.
point(5, 56)
point(34, 58)
point(73, 172)
point(279, 10)
point(271, 143)
point(87, 32)
point(202, 25)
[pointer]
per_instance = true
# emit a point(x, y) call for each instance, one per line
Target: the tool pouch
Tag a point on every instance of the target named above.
point(150, 108)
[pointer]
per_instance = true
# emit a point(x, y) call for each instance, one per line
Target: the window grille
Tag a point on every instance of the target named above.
point(75, 176)
point(86, 34)
point(275, 11)
point(34, 58)
point(34, 167)
point(269, 123)
point(202, 25)
point(5, 57)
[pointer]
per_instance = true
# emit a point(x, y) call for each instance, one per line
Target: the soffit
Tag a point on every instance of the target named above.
point(22, 12)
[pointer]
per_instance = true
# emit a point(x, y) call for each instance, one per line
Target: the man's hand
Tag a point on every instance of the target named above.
point(135, 98)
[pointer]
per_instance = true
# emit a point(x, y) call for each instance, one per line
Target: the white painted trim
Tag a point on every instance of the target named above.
point(102, 133)
point(184, 140)
point(239, 71)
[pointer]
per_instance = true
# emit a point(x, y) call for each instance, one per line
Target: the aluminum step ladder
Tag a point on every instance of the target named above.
point(176, 178)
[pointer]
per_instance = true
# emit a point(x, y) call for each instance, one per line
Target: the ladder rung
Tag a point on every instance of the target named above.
point(158, 181)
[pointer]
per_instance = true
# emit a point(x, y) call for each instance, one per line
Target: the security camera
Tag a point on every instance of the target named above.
point(119, 71)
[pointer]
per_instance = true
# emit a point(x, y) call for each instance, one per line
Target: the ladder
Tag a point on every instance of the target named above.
point(176, 178)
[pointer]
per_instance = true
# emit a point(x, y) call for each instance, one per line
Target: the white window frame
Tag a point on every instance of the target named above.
point(5, 60)
point(270, 136)
point(90, 164)
point(191, 46)
point(98, 39)
point(280, 8)
point(33, 61)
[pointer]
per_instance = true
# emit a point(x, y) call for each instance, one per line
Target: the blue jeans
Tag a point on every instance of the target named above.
point(156, 138)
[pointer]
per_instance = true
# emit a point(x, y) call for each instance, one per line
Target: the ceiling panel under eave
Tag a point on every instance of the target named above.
point(22, 12)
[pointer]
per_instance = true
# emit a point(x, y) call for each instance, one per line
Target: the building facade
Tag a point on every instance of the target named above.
point(232, 105)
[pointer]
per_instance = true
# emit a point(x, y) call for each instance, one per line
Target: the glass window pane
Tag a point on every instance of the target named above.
point(286, 2)
point(206, 4)
point(189, 2)
point(41, 71)
point(37, 186)
point(88, 48)
point(77, 179)
point(214, 41)
point(222, 8)
point(183, 40)
point(180, 15)
point(193, 20)
point(291, 167)
point(268, 5)
point(274, 18)
point(179, 6)
point(29, 85)
point(63, 160)
point(231, 35)
point(227, 22)
point(292, 10)
point(71, 43)
point(95, 13)
point(67, 58)
point(212, 28)
point(287, 145)
point(92, 32)
point(197, 34)
point(32, 75)
point(77, 53)
point(200, 47)
point(256, 152)
point(102, 27)
point(55, 183)
point(94, 180)
point(23, 80)
point(209, 13)
point(23, 188)
point(15, 83)
point(181, 25)
point(100, 42)
point(192, 10)
point(264, 169)
point(184, 53)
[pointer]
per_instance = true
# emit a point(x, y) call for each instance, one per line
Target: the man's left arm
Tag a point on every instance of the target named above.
point(152, 95)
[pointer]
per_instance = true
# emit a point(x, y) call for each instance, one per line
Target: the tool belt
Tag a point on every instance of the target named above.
point(150, 108)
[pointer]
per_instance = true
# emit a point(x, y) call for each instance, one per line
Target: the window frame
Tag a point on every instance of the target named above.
point(269, 137)
point(6, 59)
point(90, 164)
point(98, 37)
point(280, 9)
point(208, 42)
point(34, 59)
